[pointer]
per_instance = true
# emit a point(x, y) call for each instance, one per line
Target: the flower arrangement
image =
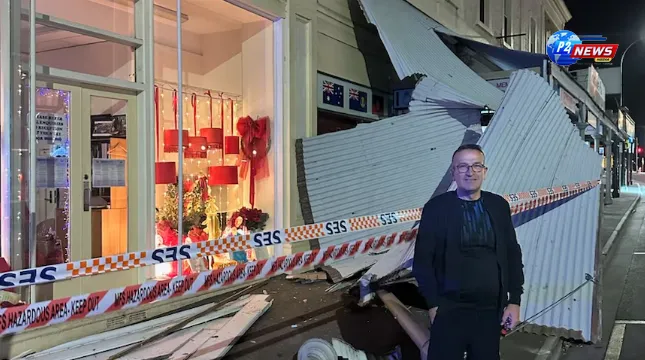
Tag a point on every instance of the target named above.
point(251, 218)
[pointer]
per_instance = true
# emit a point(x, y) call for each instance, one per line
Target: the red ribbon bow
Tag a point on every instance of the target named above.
point(255, 147)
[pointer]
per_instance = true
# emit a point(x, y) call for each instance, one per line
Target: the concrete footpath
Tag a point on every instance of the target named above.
point(619, 282)
point(615, 221)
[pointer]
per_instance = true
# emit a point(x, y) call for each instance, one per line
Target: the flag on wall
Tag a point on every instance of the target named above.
point(333, 94)
point(357, 100)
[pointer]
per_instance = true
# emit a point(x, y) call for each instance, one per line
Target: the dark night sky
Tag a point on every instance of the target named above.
point(622, 22)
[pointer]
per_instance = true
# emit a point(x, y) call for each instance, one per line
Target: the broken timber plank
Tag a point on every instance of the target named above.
point(218, 346)
point(133, 334)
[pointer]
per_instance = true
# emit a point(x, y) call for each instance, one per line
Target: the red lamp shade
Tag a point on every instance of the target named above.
point(231, 145)
point(197, 146)
point(222, 175)
point(165, 173)
point(214, 137)
point(171, 140)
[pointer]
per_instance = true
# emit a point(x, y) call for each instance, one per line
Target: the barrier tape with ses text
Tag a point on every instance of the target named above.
point(20, 318)
point(520, 202)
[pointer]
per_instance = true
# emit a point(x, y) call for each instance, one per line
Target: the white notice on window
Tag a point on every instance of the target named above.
point(51, 127)
point(52, 172)
point(108, 173)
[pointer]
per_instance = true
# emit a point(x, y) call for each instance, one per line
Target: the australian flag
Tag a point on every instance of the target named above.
point(358, 100)
point(333, 94)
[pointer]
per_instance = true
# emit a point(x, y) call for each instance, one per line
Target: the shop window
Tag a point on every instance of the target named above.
point(228, 106)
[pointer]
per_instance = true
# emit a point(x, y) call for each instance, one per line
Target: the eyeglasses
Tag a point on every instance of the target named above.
point(463, 168)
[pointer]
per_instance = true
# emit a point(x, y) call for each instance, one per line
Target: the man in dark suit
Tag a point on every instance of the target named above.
point(468, 264)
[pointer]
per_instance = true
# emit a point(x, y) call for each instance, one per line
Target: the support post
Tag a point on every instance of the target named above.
point(144, 74)
point(14, 228)
point(608, 166)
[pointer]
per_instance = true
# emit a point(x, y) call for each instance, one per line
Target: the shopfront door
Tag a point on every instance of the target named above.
point(88, 189)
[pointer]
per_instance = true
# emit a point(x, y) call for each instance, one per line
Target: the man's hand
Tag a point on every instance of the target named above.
point(433, 313)
point(512, 311)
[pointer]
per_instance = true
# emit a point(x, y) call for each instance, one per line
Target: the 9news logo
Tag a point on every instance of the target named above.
point(565, 48)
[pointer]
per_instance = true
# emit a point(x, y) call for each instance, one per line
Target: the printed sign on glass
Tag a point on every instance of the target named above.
point(333, 94)
point(357, 100)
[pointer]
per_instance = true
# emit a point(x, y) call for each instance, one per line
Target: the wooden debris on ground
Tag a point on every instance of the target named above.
point(209, 336)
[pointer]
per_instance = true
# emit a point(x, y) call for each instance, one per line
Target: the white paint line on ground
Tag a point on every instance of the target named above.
point(615, 342)
point(639, 253)
point(614, 234)
point(630, 322)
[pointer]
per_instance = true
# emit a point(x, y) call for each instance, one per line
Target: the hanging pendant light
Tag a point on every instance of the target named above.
point(171, 136)
point(222, 175)
point(231, 143)
point(165, 171)
point(214, 136)
point(197, 145)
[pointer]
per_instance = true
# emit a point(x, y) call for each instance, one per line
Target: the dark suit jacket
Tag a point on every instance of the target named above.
point(436, 256)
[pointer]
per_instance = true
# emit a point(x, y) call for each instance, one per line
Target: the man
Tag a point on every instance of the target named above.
point(468, 264)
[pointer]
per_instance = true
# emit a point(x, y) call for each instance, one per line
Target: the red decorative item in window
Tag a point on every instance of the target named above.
point(231, 143)
point(171, 137)
point(256, 143)
point(165, 171)
point(214, 136)
point(197, 145)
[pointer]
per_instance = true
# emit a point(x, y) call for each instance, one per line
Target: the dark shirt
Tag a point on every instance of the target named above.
point(480, 282)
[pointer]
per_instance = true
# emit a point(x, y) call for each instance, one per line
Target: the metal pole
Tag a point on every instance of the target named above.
point(180, 142)
point(622, 58)
point(32, 143)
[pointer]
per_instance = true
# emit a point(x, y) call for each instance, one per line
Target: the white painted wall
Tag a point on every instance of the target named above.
point(462, 16)
point(611, 78)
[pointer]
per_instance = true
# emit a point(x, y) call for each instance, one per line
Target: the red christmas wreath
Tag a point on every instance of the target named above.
point(256, 143)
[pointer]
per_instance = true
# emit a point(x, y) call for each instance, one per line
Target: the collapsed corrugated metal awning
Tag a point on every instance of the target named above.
point(392, 164)
point(415, 48)
point(530, 145)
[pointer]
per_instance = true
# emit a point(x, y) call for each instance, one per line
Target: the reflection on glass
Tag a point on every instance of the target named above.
point(109, 192)
point(52, 177)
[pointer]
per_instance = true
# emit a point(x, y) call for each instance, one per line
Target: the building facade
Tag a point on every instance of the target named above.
point(115, 138)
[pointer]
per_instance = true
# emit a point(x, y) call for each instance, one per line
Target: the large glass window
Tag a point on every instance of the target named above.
point(227, 112)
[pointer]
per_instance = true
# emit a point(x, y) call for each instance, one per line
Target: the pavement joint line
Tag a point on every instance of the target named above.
point(614, 234)
point(615, 345)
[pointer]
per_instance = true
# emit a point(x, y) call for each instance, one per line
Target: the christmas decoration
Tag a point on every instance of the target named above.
point(231, 143)
point(255, 148)
point(171, 137)
point(252, 219)
point(212, 229)
point(165, 172)
point(197, 145)
point(214, 136)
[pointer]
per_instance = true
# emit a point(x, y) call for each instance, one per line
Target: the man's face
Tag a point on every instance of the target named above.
point(468, 170)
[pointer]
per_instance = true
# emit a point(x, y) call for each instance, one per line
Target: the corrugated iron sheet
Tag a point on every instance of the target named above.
point(392, 164)
point(532, 144)
point(415, 48)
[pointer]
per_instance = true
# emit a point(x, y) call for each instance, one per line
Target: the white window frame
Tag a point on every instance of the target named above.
point(486, 6)
point(507, 22)
point(532, 35)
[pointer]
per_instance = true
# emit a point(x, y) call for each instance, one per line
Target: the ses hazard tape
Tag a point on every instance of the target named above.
point(519, 202)
point(20, 318)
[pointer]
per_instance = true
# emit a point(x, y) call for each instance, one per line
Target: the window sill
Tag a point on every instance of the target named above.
point(485, 27)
